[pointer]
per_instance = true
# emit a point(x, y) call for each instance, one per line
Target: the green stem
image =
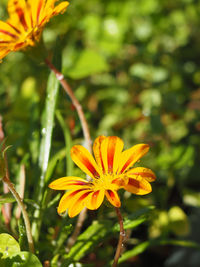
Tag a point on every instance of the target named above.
point(24, 213)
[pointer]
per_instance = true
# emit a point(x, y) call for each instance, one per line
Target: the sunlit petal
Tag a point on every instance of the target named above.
point(98, 152)
point(131, 156)
point(68, 199)
point(111, 148)
point(113, 198)
point(70, 182)
point(25, 23)
point(60, 8)
point(141, 172)
point(85, 161)
point(138, 187)
point(80, 203)
point(95, 199)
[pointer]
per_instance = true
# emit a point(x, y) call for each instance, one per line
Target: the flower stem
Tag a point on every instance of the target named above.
point(24, 213)
point(86, 134)
point(121, 238)
point(75, 102)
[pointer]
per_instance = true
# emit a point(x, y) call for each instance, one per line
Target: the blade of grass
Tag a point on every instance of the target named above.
point(45, 146)
point(68, 143)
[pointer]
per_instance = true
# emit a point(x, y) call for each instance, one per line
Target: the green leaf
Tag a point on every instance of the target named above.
point(22, 235)
point(8, 245)
point(156, 242)
point(178, 221)
point(89, 63)
point(22, 259)
point(7, 198)
point(68, 143)
point(135, 219)
point(87, 240)
point(98, 232)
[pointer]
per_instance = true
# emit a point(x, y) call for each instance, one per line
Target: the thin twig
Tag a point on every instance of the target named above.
point(75, 102)
point(22, 180)
point(10, 186)
point(77, 230)
point(121, 238)
point(6, 208)
point(87, 138)
point(24, 213)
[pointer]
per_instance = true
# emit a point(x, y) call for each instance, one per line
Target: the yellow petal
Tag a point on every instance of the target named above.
point(141, 172)
point(7, 32)
point(17, 10)
point(70, 182)
point(111, 148)
point(138, 187)
point(85, 161)
point(76, 207)
point(35, 8)
point(97, 151)
point(60, 8)
point(68, 199)
point(131, 156)
point(95, 199)
point(113, 198)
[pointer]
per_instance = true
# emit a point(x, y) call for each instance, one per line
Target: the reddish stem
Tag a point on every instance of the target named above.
point(121, 238)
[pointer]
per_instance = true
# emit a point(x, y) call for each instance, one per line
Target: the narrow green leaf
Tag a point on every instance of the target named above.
point(88, 240)
point(135, 219)
point(22, 235)
point(65, 232)
point(52, 163)
point(47, 125)
point(68, 143)
point(100, 230)
point(7, 198)
point(156, 242)
point(45, 146)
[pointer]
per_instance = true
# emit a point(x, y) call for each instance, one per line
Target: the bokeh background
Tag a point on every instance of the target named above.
point(134, 66)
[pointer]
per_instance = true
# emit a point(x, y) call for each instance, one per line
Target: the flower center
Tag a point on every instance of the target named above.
point(110, 182)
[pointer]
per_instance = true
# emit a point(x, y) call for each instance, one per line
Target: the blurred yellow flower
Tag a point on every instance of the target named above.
point(110, 172)
point(25, 23)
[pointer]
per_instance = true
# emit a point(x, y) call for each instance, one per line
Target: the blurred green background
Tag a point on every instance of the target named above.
point(134, 66)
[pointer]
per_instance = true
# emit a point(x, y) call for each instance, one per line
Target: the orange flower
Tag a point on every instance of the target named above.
point(26, 21)
point(110, 172)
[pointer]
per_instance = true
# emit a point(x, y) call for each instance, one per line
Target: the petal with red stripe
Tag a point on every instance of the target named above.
point(98, 153)
point(76, 207)
point(111, 148)
point(138, 187)
point(68, 199)
point(113, 198)
point(95, 199)
point(70, 182)
point(17, 10)
point(7, 32)
point(140, 172)
point(131, 156)
point(85, 161)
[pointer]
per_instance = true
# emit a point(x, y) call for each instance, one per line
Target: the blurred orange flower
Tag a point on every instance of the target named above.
point(25, 23)
point(110, 172)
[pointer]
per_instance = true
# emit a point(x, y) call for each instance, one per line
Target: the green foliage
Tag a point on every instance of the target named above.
point(134, 66)
point(11, 256)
